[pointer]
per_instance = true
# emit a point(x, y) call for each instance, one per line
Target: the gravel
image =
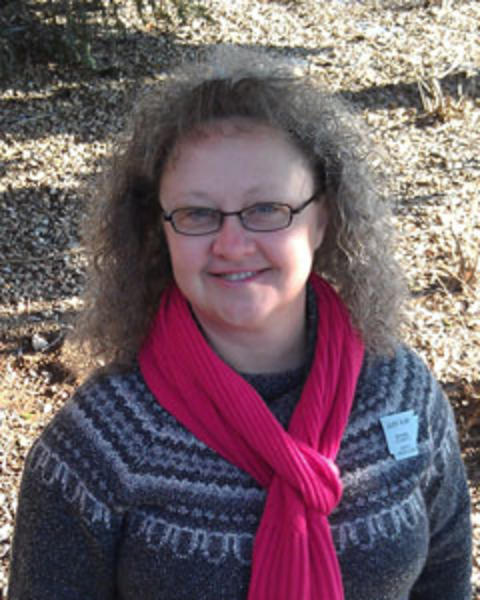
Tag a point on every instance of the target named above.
point(412, 69)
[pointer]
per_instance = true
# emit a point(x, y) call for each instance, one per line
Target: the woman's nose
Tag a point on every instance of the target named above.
point(233, 241)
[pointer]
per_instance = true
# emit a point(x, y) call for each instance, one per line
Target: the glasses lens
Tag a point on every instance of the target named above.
point(196, 220)
point(266, 216)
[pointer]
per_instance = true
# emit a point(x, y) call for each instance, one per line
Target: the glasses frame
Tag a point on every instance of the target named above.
point(169, 217)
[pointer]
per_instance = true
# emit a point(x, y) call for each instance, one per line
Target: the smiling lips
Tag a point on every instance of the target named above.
point(238, 276)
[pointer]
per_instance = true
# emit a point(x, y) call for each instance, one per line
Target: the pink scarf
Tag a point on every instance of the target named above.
point(293, 557)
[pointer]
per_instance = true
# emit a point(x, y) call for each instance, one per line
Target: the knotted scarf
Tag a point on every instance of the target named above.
point(293, 556)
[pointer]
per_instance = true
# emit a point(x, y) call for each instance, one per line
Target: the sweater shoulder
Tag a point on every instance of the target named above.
point(392, 384)
point(101, 409)
point(376, 480)
point(114, 436)
point(99, 437)
point(397, 384)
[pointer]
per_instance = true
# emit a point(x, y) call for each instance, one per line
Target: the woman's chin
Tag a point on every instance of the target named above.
point(231, 319)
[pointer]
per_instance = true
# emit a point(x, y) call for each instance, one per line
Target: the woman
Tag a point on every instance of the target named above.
point(242, 394)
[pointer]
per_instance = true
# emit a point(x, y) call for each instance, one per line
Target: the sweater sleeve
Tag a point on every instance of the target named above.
point(64, 540)
point(447, 571)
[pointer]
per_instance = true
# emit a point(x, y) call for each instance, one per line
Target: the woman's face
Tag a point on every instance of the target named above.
point(236, 279)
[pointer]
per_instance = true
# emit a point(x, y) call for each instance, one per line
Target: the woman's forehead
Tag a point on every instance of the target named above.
point(232, 127)
point(246, 165)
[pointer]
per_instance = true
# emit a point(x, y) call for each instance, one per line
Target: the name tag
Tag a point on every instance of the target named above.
point(401, 431)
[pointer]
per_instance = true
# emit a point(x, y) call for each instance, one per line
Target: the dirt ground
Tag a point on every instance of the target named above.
point(412, 71)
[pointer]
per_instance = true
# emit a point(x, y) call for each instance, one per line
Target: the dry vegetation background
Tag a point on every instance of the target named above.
point(412, 69)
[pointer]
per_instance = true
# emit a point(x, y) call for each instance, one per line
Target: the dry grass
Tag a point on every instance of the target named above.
point(412, 70)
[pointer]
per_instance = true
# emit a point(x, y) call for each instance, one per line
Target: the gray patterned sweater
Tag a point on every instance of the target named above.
point(119, 501)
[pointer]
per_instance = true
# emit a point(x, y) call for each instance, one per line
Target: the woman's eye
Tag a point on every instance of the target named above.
point(264, 209)
point(198, 214)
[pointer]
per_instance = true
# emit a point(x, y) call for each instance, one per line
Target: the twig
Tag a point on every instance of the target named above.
point(419, 198)
point(466, 269)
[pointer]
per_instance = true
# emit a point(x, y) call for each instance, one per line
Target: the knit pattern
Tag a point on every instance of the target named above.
point(132, 505)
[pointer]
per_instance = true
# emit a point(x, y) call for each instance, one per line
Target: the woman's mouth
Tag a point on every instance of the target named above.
point(238, 275)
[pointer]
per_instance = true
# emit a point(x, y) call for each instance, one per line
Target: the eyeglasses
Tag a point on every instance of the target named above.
point(263, 216)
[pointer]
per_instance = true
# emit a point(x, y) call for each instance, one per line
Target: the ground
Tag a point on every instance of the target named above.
point(411, 70)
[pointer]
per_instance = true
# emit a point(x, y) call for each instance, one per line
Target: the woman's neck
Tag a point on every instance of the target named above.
point(271, 351)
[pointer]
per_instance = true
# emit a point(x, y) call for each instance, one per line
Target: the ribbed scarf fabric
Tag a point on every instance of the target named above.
point(293, 556)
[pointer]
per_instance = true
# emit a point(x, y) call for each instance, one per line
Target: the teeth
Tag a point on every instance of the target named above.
point(238, 276)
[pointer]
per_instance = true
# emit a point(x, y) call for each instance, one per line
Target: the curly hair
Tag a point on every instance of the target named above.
point(129, 259)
